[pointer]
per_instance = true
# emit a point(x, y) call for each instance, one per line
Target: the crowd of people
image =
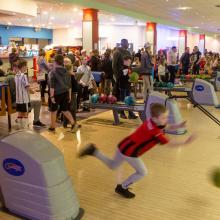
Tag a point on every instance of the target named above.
point(66, 79)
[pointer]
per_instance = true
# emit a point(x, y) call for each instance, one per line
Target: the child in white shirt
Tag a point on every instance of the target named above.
point(22, 93)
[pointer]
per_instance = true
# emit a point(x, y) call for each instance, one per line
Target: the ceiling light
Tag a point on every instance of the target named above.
point(72, 21)
point(184, 8)
point(196, 27)
point(112, 19)
point(30, 25)
point(52, 18)
point(9, 23)
point(75, 9)
point(80, 13)
point(45, 12)
point(50, 23)
point(67, 26)
point(43, 25)
point(28, 20)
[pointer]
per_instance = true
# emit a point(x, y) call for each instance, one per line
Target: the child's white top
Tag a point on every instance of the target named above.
point(22, 84)
point(87, 75)
point(161, 70)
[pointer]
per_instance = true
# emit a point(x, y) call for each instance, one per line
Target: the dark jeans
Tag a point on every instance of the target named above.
point(72, 108)
point(123, 94)
point(83, 93)
point(172, 70)
point(196, 68)
point(185, 69)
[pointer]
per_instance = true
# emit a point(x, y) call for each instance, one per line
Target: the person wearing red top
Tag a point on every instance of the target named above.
point(148, 135)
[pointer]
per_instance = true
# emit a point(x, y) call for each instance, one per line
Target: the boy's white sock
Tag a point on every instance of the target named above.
point(25, 124)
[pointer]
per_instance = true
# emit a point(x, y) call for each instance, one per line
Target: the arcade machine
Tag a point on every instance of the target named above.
point(34, 183)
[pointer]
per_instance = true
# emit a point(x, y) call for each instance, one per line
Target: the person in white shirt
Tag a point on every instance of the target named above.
point(22, 93)
point(172, 64)
point(162, 71)
point(85, 81)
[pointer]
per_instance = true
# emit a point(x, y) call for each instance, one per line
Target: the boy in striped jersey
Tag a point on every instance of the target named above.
point(148, 135)
point(22, 93)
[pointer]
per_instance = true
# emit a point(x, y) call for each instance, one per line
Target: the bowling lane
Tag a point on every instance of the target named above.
point(177, 186)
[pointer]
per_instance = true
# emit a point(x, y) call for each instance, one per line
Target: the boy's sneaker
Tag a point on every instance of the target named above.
point(51, 129)
point(38, 124)
point(88, 150)
point(124, 192)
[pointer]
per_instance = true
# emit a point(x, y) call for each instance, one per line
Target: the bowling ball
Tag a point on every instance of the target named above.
point(134, 77)
point(129, 100)
point(95, 98)
point(182, 77)
point(215, 177)
point(111, 99)
point(188, 77)
point(157, 84)
point(103, 98)
point(170, 85)
point(164, 84)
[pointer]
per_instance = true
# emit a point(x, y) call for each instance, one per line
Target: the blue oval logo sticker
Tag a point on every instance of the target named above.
point(218, 78)
point(200, 88)
point(13, 167)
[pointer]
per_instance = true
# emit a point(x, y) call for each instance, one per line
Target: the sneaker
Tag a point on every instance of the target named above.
point(133, 116)
point(123, 116)
point(124, 192)
point(75, 127)
point(88, 150)
point(38, 124)
point(51, 129)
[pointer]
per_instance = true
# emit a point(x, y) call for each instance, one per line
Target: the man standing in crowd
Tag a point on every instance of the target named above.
point(196, 58)
point(146, 70)
point(172, 64)
point(117, 65)
point(185, 61)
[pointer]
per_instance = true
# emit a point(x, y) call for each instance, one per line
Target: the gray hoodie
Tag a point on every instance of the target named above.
point(60, 80)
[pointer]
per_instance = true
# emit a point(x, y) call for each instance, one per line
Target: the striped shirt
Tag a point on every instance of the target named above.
point(22, 84)
point(143, 139)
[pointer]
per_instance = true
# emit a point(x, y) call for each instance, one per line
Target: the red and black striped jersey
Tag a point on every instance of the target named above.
point(143, 139)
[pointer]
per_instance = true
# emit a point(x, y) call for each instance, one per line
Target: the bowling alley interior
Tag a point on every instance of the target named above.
point(109, 110)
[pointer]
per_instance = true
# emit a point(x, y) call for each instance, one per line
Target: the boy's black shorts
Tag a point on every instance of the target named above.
point(62, 101)
point(25, 107)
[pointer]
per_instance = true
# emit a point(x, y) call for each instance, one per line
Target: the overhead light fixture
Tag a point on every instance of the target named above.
point(28, 20)
point(50, 23)
point(9, 23)
point(75, 9)
point(184, 8)
point(67, 26)
point(43, 25)
point(196, 27)
point(112, 19)
point(80, 13)
point(45, 12)
point(52, 18)
point(72, 21)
